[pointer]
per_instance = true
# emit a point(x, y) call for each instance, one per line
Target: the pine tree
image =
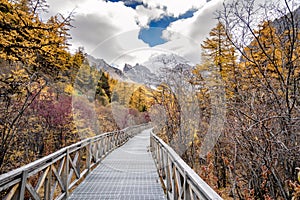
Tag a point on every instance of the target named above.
point(139, 100)
point(218, 51)
point(25, 38)
point(33, 55)
point(103, 91)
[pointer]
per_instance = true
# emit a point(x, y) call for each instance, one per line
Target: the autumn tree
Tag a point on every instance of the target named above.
point(55, 118)
point(220, 57)
point(104, 88)
point(140, 100)
point(122, 93)
point(32, 55)
point(25, 38)
point(16, 96)
point(263, 121)
point(178, 108)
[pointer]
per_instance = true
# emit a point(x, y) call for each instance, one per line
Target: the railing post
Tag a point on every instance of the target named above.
point(118, 139)
point(172, 169)
point(98, 150)
point(159, 159)
point(51, 179)
point(168, 174)
point(102, 146)
point(105, 145)
point(174, 181)
point(110, 142)
point(47, 186)
point(114, 140)
point(186, 195)
point(23, 185)
point(88, 157)
point(66, 174)
point(163, 164)
point(121, 137)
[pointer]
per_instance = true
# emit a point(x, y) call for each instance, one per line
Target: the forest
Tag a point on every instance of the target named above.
point(247, 88)
point(246, 92)
point(45, 102)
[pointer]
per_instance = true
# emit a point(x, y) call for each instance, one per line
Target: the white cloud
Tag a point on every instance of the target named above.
point(205, 20)
point(105, 29)
point(185, 47)
point(145, 15)
point(155, 9)
point(176, 7)
point(120, 48)
point(96, 21)
point(194, 30)
point(110, 30)
point(198, 26)
point(91, 29)
point(63, 7)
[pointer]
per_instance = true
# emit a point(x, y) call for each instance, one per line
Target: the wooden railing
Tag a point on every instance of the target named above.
point(178, 179)
point(54, 176)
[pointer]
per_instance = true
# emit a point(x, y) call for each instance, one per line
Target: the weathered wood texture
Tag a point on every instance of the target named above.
point(178, 179)
point(128, 173)
point(54, 176)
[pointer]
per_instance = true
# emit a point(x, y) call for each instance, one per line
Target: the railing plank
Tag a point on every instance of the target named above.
point(58, 174)
point(174, 166)
point(58, 168)
point(23, 185)
point(32, 191)
point(41, 180)
point(12, 192)
point(10, 184)
point(59, 180)
point(74, 165)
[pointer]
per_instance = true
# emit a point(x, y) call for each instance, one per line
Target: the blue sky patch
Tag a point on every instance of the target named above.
point(133, 4)
point(129, 3)
point(153, 34)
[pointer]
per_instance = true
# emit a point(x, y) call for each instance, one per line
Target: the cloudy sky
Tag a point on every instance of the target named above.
point(132, 30)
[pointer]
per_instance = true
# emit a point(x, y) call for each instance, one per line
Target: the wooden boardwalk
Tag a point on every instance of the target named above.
point(128, 173)
point(123, 172)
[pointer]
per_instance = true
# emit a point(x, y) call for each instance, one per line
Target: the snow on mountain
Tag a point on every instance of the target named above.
point(151, 71)
point(147, 73)
point(165, 61)
point(138, 73)
point(100, 64)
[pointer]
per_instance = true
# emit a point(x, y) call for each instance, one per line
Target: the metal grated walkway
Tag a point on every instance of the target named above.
point(128, 173)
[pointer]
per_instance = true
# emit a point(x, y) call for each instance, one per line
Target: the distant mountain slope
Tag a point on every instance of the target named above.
point(284, 23)
point(138, 73)
point(165, 61)
point(149, 72)
point(102, 65)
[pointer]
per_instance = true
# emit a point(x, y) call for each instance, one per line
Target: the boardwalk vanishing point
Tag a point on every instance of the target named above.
point(128, 173)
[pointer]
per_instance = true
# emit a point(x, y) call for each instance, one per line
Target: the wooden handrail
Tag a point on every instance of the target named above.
point(178, 179)
point(54, 176)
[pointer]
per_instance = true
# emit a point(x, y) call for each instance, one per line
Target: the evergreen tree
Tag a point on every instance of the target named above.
point(219, 52)
point(103, 90)
point(139, 100)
